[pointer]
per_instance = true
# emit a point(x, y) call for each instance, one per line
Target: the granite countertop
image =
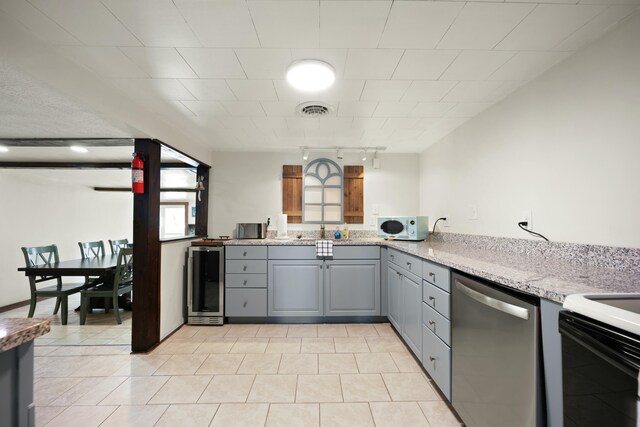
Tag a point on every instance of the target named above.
point(549, 277)
point(15, 332)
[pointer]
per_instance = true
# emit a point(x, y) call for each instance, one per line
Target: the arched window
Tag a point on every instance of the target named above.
point(323, 192)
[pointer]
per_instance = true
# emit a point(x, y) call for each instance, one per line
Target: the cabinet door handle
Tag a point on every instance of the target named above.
point(245, 304)
point(244, 253)
point(432, 275)
point(392, 257)
point(409, 264)
point(431, 322)
point(245, 283)
point(327, 266)
point(432, 359)
point(244, 268)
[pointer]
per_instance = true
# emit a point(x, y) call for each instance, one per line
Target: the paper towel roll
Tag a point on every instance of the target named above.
point(282, 225)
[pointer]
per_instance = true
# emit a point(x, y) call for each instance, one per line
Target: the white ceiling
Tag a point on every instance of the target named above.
point(408, 72)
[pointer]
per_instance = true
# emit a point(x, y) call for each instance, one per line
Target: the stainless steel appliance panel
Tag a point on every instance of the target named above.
point(205, 287)
point(250, 230)
point(495, 361)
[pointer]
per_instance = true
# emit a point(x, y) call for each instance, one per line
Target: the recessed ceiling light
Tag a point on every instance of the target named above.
point(78, 149)
point(311, 75)
point(3, 149)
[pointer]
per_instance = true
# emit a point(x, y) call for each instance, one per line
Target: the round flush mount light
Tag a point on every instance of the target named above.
point(78, 149)
point(311, 75)
point(3, 149)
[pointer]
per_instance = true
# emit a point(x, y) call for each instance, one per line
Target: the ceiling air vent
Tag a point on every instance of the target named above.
point(313, 109)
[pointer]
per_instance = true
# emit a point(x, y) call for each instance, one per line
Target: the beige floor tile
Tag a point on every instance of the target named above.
point(242, 331)
point(82, 416)
point(332, 331)
point(101, 366)
point(197, 415)
point(345, 415)
point(240, 415)
point(250, 345)
point(393, 414)
point(181, 389)
point(364, 388)
point(283, 345)
point(89, 391)
point(409, 387)
point(405, 362)
point(142, 365)
point(351, 345)
point(216, 345)
point(220, 364)
point(44, 414)
point(212, 331)
point(181, 364)
point(385, 330)
point(364, 330)
point(318, 345)
point(135, 416)
point(273, 331)
point(306, 331)
point(294, 415)
point(135, 391)
point(318, 388)
point(227, 388)
point(260, 364)
point(438, 414)
point(186, 331)
point(273, 388)
point(43, 351)
point(372, 363)
point(46, 390)
point(385, 344)
point(170, 347)
point(58, 367)
point(299, 364)
point(337, 364)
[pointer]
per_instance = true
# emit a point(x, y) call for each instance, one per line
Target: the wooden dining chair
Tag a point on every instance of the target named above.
point(92, 250)
point(122, 283)
point(116, 245)
point(42, 255)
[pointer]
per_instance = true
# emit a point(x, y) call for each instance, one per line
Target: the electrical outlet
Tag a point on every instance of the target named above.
point(373, 221)
point(526, 216)
point(473, 212)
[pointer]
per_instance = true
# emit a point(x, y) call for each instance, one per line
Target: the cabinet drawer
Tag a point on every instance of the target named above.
point(356, 252)
point(437, 274)
point(407, 262)
point(246, 302)
point(251, 266)
point(436, 359)
point(246, 252)
point(437, 323)
point(246, 280)
point(436, 298)
point(292, 252)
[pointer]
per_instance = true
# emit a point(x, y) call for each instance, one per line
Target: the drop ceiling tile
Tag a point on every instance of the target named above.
point(472, 91)
point(237, 123)
point(206, 108)
point(369, 123)
point(548, 25)
point(336, 124)
point(289, 133)
point(374, 136)
point(335, 57)
point(427, 90)
point(220, 23)
point(394, 109)
point(244, 108)
point(264, 63)
point(468, 109)
point(302, 123)
point(432, 109)
point(209, 89)
point(253, 90)
point(418, 24)
point(159, 62)
point(179, 106)
point(476, 64)
point(356, 108)
point(89, 21)
point(286, 23)
point(269, 123)
point(427, 123)
point(400, 123)
point(342, 90)
point(449, 123)
point(212, 63)
point(37, 22)
point(403, 134)
point(170, 89)
point(279, 108)
point(384, 90)
point(483, 25)
point(107, 61)
point(526, 65)
point(424, 64)
point(153, 22)
point(351, 23)
point(371, 63)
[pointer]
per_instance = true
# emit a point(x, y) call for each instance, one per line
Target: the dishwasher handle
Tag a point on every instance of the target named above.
point(510, 309)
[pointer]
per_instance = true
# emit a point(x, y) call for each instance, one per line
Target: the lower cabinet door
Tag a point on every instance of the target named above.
point(412, 313)
point(295, 288)
point(436, 359)
point(246, 302)
point(352, 288)
point(395, 298)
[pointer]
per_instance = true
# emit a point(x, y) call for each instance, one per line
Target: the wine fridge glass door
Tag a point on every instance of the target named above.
point(207, 284)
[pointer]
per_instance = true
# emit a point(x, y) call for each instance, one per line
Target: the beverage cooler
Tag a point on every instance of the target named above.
point(205, 285)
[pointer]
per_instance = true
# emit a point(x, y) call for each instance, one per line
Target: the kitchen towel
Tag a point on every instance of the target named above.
point(324, 247)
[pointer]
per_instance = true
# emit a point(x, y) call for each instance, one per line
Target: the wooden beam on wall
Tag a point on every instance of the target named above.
point(202, 202)
point(162, 190)
point(84, 165)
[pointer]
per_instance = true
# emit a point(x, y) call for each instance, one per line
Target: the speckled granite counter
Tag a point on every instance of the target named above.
point(552, 271)
point(15, 332)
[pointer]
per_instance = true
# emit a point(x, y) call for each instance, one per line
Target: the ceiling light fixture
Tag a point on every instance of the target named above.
point(3, 149)
point(364, 156)
point(340, 154)
point(311, 75)
point(78, 149)
point(305, 154)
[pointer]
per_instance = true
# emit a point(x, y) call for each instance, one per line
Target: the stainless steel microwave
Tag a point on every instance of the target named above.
point(403, 227)
point(251, 230)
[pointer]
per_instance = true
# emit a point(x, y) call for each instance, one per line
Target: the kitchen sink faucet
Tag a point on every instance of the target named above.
point(322, 231)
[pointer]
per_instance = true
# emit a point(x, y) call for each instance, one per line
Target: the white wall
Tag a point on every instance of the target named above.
point(172, 286)
point(247, 187)
point(566, 146)
point(43, 208)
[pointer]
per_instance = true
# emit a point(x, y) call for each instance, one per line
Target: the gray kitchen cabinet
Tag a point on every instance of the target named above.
point(246, 302)
point(295, 288)
point(412, 313)
point(394, 285)
point(352, 287)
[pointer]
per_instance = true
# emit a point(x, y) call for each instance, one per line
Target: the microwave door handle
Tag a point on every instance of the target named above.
point(510, 309)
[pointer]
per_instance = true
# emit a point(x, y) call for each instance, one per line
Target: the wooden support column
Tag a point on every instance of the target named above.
point(202, 202)
point(147, 251)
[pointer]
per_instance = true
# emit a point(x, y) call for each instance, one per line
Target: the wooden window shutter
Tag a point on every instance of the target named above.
point(292, 193)
point(354, 194)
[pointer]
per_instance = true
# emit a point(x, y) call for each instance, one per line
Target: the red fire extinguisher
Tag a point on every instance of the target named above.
point(137, 174)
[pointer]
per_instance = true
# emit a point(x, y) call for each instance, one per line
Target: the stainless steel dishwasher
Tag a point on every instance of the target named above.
point(495, 365)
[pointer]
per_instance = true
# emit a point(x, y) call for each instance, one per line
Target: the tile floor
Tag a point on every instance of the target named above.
point(241, 375)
